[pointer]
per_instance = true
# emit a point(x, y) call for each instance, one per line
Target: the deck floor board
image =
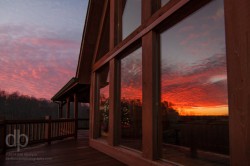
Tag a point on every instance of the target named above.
point(60, 153)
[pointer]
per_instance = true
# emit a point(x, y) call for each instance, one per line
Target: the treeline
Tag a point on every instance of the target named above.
point(17, 106)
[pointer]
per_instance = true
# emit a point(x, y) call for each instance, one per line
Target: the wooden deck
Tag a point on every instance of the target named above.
point(65, 152)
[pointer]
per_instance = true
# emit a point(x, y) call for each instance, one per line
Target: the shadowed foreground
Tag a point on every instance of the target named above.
point(60, 153)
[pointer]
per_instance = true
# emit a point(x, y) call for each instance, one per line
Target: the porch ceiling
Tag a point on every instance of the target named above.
point(73, 87)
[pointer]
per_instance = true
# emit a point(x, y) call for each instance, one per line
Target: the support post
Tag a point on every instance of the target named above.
point(238, 67)
point(150, 96)
point(68, 108)
point(48, 129)
point(60, 108)
point(76, 114)
point(94, 98)
point(149, 7)
point(114, 114)
point(115, 38)
point(151, 122)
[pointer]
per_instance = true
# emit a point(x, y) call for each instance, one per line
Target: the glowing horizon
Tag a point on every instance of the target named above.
point(193, 65)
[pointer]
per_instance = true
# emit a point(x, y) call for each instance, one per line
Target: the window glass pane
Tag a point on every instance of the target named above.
point(103, 86)
point(164, 2)
point(194, 100)
point(131, 16)
point(131, 100)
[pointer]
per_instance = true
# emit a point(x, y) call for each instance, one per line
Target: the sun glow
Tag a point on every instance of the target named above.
point(221, 110)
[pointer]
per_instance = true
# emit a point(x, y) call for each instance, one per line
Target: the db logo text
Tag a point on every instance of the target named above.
point(17, 140)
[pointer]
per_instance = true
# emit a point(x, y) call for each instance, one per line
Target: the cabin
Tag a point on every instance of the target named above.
point(167, 81)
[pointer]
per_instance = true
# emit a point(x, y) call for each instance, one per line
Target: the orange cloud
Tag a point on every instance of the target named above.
point(195, 90)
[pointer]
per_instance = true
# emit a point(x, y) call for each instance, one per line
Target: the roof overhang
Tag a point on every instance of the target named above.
point(80, 84)
point(73, 87)
point(89, 39)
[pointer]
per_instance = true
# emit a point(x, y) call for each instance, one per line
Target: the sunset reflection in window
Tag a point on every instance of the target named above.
point(193, 58)
point(131, 100)
point(103, 86)
point(194, 99)
point(131, 16)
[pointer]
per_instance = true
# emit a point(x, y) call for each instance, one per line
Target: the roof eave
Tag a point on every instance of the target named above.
point(72, 82)
point(83, 39)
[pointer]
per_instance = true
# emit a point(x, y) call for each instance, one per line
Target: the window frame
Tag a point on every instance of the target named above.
point(135, 46)
point(155, 20)
point(95, 103)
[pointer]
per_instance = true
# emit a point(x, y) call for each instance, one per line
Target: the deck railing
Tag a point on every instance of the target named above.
point(37, 131)
point(203, 140)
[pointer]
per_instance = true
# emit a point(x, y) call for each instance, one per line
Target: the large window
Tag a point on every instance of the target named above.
point(103, 96)
point(194, 101)
point(131, 100)
point(131, 16)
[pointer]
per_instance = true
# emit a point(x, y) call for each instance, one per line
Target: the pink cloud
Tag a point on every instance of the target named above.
point(35, 65)
point(47, 42)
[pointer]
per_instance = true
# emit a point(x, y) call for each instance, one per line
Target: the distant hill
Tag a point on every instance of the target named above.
point(16, 106)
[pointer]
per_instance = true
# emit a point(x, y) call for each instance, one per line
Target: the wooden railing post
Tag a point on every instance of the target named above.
point(68, 108)
point(52, 130)
point(48, 129)
point(76, 114)
point(3, 135)
point(60, 105)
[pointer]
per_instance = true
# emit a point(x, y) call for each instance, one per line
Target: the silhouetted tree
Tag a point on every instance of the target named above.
point(17, 106)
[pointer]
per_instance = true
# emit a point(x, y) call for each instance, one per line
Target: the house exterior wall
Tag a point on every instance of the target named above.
point(238, 60)
point(147, 36)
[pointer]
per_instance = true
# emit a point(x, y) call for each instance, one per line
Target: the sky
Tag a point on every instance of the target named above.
point(39, 44)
